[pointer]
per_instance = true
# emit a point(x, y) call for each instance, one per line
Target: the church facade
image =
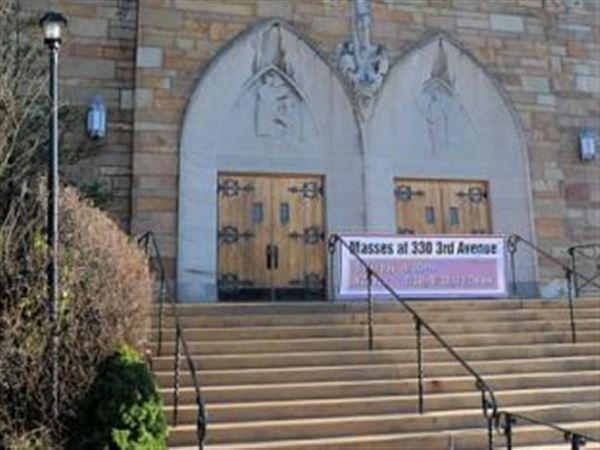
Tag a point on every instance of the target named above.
point(243, 132)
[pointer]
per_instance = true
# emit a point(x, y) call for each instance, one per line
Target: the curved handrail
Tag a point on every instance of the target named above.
point(488, 397)
point(514, 239)
point(580, 250)
point(506, 420)
point(501, 420)
point(147, 240)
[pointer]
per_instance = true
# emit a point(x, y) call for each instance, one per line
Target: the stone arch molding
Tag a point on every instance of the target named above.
point(267, 103)
point(439, 114)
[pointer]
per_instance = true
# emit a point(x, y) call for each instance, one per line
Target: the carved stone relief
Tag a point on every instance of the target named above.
point(362, 62)
point(277, 107)
point(440, 105)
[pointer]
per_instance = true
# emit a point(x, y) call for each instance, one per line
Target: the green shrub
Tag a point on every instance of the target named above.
point(123, 409)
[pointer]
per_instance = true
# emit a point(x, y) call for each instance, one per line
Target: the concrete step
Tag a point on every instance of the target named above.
point(324, 307)
point(469, 440)
point(230, 433)
point(226, 335)
point(350, 406)
point(339, 358)
point(385, 370)
point(380, 317)
point(374, 388)
point(379, 343)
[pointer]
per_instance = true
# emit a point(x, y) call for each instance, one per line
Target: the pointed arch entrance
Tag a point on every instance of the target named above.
point(270, 107)
point(442, 120)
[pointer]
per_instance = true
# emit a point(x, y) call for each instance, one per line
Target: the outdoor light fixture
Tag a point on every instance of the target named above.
point(587, 144)
point(52, 24)
point(96, 118)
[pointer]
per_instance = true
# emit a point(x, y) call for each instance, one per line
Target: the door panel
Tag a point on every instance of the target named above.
point(271, 237)
point(298, 233)
point(465, 206)
point(418, 207)
point(442, 207)
point(244, 226)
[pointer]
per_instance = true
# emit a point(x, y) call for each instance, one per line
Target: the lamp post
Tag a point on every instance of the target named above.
point(52, 24)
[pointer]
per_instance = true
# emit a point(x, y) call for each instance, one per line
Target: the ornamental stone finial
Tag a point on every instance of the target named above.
point(362, 62)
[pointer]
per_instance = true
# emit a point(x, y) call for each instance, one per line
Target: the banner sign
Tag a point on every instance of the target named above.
point(424, 266)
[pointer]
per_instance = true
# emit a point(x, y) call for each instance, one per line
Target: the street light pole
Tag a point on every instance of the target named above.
point(52, 24)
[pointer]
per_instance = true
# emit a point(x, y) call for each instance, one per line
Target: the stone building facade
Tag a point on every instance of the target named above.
point(473, 89)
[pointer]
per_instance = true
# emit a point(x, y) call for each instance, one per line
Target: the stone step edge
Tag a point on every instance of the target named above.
point(373, 438)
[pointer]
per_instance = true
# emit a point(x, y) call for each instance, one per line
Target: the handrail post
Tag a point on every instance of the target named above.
point(161, 302)
point(576, 441)
point(420, 370)
point(569, 277)
point(507, 428)
point(512, 242)
point(331, 247)
point(571, 252)
point(490, 410)
point(370, 306)
point(200, 423)
point(176, 378)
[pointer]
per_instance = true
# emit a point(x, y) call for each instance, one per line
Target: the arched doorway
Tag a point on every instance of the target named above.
point(445, 152)
point(268, 121)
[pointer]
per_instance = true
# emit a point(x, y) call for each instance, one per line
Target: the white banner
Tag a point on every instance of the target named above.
point(424, 266)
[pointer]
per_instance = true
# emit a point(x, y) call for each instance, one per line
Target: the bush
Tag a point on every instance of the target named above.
point(105, 296)
point(122, 409)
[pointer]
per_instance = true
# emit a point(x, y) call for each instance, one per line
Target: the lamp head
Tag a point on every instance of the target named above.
point(52, 24)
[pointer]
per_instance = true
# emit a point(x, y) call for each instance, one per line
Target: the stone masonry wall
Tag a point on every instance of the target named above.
point(545, 53)
point(98, 58)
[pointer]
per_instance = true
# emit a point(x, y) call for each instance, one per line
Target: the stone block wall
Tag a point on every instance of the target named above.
point(545, 54)
point(98, 58)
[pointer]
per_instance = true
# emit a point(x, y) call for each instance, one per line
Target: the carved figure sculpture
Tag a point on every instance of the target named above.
point(363, 63)
point(276, 107)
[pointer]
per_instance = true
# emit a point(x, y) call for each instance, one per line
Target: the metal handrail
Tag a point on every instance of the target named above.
point(505, 422)
point(513, 241)
point(147, 240)
point(579, 249)
point(496, 419)
point(489, 403)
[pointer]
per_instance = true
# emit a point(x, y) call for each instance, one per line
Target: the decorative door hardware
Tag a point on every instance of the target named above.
point(309, 189)
point(312, 281)
point(405, 230)
point(284, 213)
point(231, 187)
point(475, 194)
point(405, 193)
point(272, 256)
point(478, 231)
point(231, 282)
point(230, 235)
point(310, 235)
point(257, 212)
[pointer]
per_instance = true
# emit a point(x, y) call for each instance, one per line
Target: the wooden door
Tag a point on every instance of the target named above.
point(466, 207)
point(442, 207)
point(271, 239)
point(298, 236)
point(418, 207)
point(243, 235)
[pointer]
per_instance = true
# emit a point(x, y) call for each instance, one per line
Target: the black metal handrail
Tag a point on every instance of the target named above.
point(506, 421)
point(496, 419)
point(513, 241)
point(148, 242)
point(489, 403)
point(579, 250)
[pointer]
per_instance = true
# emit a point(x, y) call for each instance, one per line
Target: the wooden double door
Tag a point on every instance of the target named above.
point(442, 207)
point(271, 237)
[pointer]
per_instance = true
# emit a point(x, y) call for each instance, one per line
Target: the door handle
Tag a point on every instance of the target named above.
point(269, 255)
point(275, 257)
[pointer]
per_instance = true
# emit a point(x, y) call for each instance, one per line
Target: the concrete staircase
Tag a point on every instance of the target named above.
point(300, 376)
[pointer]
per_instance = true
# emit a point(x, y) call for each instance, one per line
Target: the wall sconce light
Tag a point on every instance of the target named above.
point(587, 144)
point(96, 119)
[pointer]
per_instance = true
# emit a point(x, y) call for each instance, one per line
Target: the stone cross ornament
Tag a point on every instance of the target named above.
point(362, 62)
